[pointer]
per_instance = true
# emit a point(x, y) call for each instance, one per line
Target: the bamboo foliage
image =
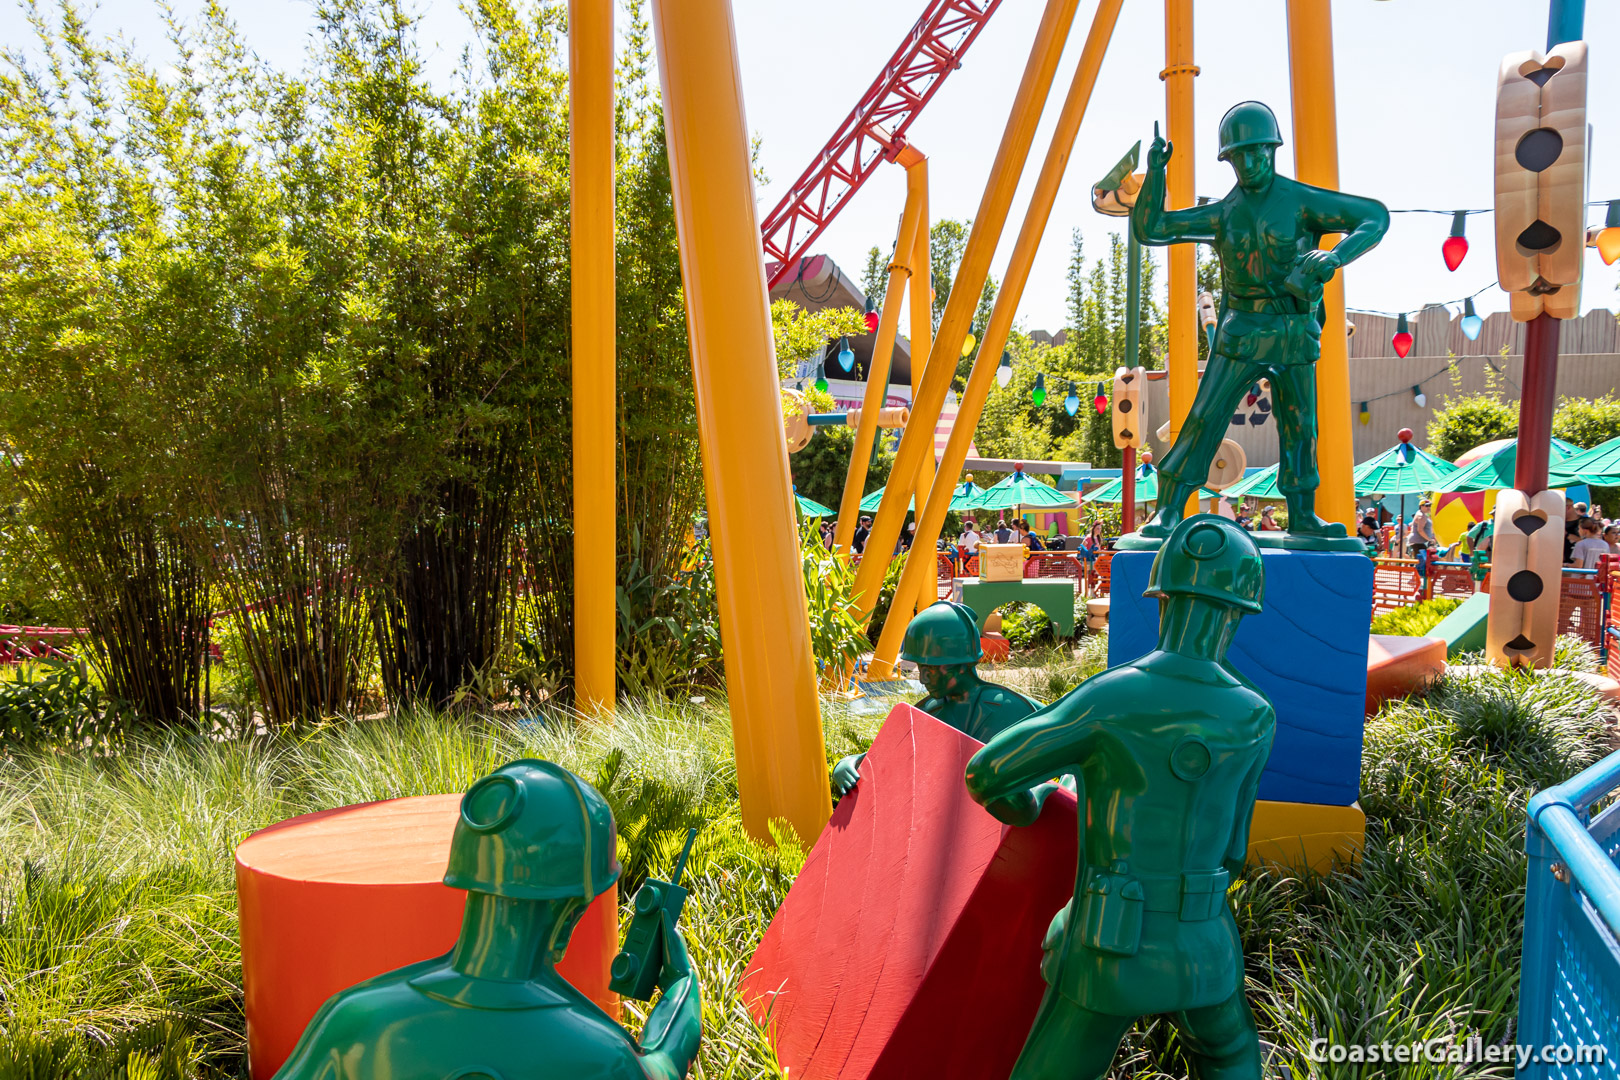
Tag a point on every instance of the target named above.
point(294, 345)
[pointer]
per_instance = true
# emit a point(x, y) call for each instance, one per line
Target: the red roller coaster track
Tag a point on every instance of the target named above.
point(874, 131)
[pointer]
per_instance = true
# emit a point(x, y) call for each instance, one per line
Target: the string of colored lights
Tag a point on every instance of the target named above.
point(1453, 250)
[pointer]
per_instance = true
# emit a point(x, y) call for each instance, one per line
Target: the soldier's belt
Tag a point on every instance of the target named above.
point(1280, 304)
point(1269, 337)
point(1195, 896)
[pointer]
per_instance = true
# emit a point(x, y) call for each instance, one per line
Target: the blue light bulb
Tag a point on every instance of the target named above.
point(1472, 324)
point(846, 355)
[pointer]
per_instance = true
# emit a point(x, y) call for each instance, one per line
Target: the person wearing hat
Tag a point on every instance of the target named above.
point(943, 641)
point(1267, 232)
point(1167, 751)
point(533, 846)
point(863, 529)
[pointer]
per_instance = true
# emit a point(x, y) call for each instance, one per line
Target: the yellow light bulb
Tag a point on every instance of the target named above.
point(1608, 245)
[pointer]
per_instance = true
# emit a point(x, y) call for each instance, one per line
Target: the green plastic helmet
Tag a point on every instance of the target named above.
point(941, 634)
point(1212, 558)
point(532, 830)
point(1248, 123)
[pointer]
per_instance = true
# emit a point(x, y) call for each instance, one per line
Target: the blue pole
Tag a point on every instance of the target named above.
point(1565, 21)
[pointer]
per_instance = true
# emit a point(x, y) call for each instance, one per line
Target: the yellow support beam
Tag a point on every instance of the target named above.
point(918, 438)
point(1182, 332)
point(764, 626)
point(592, 349)
point(877, 376)
point(1316, 162)
point(919, 573)
point(922, 328)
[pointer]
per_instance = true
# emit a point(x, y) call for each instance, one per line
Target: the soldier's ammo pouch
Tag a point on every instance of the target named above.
point(1111, 911)
point(1203, 894)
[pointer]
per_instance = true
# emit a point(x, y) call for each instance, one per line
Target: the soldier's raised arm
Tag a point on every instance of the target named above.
point(1035, 749)
point(1363, 221)
point(1155, 226)
point(674, 1029)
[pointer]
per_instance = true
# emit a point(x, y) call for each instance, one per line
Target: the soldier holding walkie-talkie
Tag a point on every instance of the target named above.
point(533, 846)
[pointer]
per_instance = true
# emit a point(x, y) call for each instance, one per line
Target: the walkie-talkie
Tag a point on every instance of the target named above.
point(635, 970)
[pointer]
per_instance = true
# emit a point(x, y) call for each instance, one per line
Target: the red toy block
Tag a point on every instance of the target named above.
point(910, 945)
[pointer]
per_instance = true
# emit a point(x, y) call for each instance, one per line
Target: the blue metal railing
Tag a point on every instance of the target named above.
point(1569, 973)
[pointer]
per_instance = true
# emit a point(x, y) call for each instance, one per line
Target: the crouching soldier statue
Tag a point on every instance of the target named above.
point(943, 641)
point(1168, 751)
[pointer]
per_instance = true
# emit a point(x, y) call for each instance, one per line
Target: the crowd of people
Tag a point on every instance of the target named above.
point(1588, 535)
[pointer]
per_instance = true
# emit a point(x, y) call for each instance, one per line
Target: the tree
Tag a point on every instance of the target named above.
point(820, 469)
point(1097, 301)
point(947, 239)
point(1587, 422)
point(875, 278)
point(800, 335)
point(300, 343)
point(1469, 421)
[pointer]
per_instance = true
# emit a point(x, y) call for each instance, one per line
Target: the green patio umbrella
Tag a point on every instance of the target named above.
point(966, 498)
point(811, 509)
point(1262, 485)
point(870, 504)
point(1403, 469)
point(1495, 471)
point(1599, 466)
point(1147, 488)
point(1018, 491)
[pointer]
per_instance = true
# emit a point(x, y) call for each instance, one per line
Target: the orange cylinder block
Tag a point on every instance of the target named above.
point(328, 899)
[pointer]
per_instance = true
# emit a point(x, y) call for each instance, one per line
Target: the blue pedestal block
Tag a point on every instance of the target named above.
point(1307, 652)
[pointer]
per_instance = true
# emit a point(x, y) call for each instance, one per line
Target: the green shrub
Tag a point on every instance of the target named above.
point(836, 636)
point(1026, 626)
point(1415, 620)
point(1469, 421)
point(54, 702)
point(669, 625)
point(1586, 422)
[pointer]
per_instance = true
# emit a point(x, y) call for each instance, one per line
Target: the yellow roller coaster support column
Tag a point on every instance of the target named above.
point(591, 263)
point(920, 573)
point(922, 321)
point(877, 376)
point(764, 627)
point(1179, 71)
point(918, 439)
point(1316, 161)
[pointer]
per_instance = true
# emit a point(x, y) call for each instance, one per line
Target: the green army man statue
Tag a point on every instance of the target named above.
point(1168, 751)
point(1265, 232)
point(533, 846)
point(943, 641)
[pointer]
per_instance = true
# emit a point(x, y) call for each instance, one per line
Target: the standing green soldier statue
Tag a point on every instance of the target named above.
point(943, 641)
point(534, 845)
point(1266, 233)
point(1168, 750)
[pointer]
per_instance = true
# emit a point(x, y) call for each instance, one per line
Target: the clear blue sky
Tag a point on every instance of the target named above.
point(1416, 89)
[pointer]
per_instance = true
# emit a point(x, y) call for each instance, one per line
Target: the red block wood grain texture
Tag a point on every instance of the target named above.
point(910, 944)
point(328, 899)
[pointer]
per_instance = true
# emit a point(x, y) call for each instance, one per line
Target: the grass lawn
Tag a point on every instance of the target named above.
point(118, 952)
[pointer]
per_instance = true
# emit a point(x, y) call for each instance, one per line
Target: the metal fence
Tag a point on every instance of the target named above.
point(1569, 972)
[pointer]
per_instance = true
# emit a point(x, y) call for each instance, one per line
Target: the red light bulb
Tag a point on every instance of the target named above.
point(1453, 250)
point(872, 319)
point(1402, 339)
point(1100, 403)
